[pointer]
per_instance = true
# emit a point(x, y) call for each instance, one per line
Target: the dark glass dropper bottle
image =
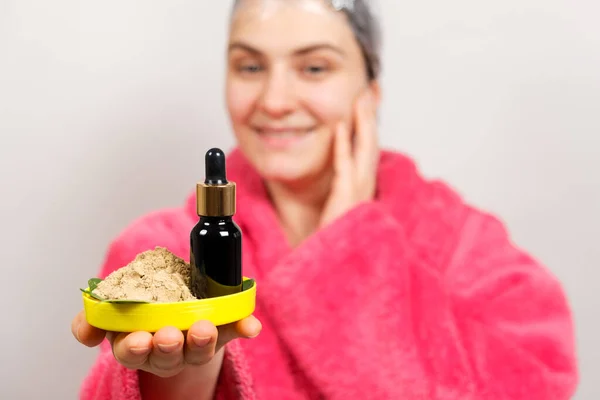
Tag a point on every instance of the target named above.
point(216, 240)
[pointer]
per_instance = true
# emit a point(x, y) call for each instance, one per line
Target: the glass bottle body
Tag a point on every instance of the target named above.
point(216, 257)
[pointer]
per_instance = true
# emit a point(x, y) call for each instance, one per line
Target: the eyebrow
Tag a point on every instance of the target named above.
point(301, 51)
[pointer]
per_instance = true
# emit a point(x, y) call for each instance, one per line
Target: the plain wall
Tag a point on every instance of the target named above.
point(106, 109)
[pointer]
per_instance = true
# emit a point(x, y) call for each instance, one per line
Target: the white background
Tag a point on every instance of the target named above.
point(107, 107)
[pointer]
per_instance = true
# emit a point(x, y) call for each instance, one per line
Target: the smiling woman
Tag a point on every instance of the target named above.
point(374, 282)
point(286, 93)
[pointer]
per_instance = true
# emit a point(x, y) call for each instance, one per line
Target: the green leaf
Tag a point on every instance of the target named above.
point(126, 301)
point(94, 295)
point(247, 284)
point(93, 283)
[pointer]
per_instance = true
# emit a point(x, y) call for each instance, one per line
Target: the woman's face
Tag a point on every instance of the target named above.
point(294, 71)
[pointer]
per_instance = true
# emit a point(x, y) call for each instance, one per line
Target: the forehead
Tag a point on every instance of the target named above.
point(279, 25)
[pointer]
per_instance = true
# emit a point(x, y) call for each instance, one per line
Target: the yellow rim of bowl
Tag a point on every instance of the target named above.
point(150, 317)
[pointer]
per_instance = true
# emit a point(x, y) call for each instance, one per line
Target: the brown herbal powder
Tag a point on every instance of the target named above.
point(154, 276)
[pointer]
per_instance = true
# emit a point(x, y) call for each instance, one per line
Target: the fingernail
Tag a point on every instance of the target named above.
point(200, 341)
point(168, 348)
point(138, 351)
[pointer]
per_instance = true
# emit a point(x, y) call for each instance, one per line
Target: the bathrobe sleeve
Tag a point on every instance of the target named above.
point(109, 380)
point(444, 308)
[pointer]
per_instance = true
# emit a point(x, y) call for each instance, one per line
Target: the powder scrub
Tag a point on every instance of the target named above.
point(153, 276)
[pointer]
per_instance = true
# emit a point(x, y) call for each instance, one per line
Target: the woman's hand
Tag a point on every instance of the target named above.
point(169, 351)
point(355, 161)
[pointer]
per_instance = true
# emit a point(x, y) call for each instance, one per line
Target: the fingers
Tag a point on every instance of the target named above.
point(362, 155)
point(167, 356)
point(204, 340)
point(85, 333)
point(200, 343)
point(343, 151)
point(167, 352)
point(249, 327)
point(132, 349)
point(366, 145)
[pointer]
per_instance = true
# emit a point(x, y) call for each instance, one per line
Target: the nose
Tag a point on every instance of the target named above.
point(277, 98)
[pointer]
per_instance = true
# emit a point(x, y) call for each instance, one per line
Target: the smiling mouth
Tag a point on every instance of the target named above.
point(277, 137)
point(271, 131)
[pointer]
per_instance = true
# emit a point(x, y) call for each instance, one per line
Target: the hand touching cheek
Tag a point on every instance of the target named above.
point(355, 162)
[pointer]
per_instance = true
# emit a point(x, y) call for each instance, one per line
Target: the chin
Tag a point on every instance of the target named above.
point(291, 164)
point(288, 170)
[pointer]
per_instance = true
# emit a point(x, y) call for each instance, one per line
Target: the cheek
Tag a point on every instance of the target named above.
point(330, 104)
point(240, 101)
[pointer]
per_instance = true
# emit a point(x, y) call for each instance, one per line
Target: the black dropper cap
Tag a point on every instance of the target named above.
point(215, 170)
point(215, 197)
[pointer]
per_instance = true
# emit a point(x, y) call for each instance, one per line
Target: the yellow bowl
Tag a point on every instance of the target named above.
point(150, 317)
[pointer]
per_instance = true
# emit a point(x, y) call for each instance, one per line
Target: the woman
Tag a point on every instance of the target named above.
point(374, 283)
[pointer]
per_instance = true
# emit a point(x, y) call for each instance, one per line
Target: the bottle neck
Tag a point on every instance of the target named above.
point(204, 218)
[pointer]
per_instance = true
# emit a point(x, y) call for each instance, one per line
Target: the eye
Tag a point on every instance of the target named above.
point(250, 68)
point(314, 69)
point(246, 65)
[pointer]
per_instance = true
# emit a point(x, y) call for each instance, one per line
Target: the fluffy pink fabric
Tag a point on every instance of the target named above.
point(414, 295)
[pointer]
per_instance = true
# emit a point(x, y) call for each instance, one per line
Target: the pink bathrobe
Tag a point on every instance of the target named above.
point(415, 295)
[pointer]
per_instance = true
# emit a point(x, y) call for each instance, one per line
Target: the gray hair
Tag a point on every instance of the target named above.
point(366, 28)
